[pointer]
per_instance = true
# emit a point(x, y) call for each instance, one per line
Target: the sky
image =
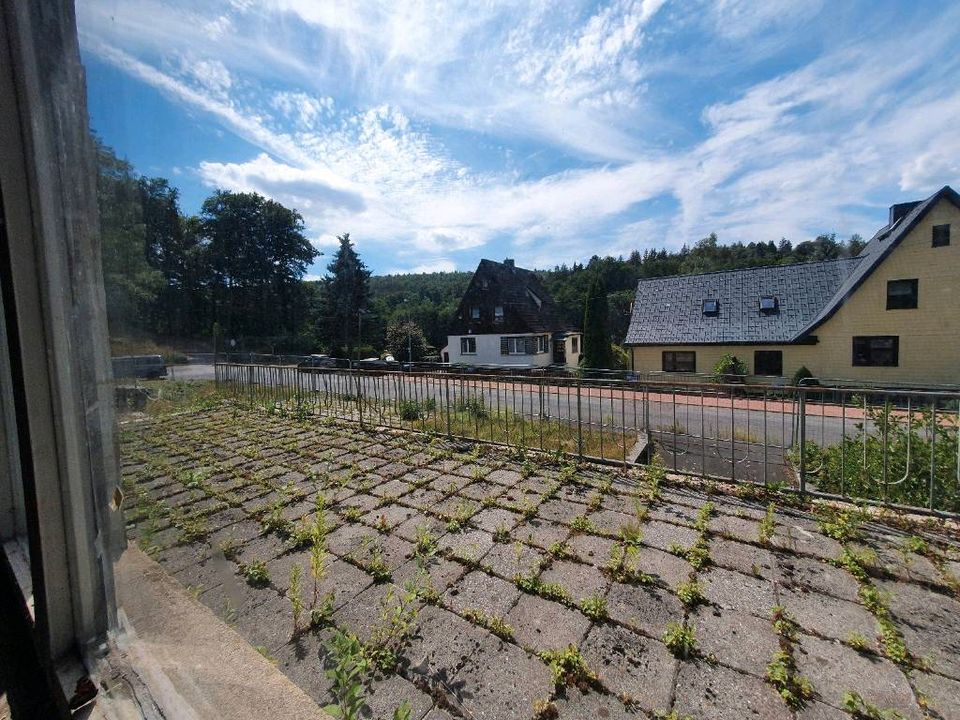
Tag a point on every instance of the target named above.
point(439, 133)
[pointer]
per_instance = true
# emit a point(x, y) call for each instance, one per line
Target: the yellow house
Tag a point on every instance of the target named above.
point(891, 315)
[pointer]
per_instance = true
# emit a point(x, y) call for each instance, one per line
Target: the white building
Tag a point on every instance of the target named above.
point(506, 318)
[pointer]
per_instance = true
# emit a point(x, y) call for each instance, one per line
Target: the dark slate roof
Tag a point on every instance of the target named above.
point(880, 246)
point(514, 288)
point(669, 311)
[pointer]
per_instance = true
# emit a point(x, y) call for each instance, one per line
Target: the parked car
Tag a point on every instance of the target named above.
point(317, 363)
point(139, 366)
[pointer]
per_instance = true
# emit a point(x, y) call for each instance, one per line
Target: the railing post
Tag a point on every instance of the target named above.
point(359, 397)
point(802, 421)
point(446, 383)
point(579, 424)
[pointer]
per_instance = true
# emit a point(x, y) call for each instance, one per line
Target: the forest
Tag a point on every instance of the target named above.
point(235, 272)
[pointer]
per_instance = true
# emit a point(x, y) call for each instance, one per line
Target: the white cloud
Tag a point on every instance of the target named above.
point(815, 147)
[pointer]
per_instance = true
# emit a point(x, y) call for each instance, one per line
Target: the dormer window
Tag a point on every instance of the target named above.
point(711, 307)
point(769, 305)
point(475, 313)
point(498, 312)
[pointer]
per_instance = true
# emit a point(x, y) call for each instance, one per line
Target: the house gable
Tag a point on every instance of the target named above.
point(503, 299)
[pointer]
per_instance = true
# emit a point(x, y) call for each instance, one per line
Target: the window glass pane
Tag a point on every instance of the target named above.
point(941, 235)
point(876, 351)
point(902, 294)
point(768, 362)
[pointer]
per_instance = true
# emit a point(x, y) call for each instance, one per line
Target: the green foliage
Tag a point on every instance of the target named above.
point(691, 593)
point(473, 407)
point(860, 709)
point(767, 525)
point(405, 341)
point(398, 612)
point(680, 639)
point(794, 689)
point(728, 366)
point(855, 466)
point(494, 623)
point(560, 550)
point(256, 573)
point(295, 595)
point(425, 543)
point(569, 667)
point(622, 566)
point(858, 642)
point(842, 525)
point(596, 335)
point(535, 586)
point(411, 410)
point(594, 607)
point(583, 524)
point(800, 375)
point(349, 675)
point(345, 293)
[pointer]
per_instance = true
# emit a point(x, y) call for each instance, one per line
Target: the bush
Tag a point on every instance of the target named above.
point(415, 409)
point(801, 374)
point(855, 466)
point(729, 367)
point(472, 406)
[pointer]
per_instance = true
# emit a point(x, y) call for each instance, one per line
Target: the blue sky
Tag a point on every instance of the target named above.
point(437, 133)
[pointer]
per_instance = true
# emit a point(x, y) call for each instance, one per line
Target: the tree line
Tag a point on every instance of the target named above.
point(235, 271)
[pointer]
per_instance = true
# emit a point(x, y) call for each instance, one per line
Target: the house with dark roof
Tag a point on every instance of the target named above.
point(507, 318)
point(889, 315)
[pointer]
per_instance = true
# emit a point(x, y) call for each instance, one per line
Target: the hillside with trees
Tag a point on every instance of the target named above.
point(235, 271)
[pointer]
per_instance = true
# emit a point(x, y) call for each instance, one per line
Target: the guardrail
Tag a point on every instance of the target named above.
point(896, 447)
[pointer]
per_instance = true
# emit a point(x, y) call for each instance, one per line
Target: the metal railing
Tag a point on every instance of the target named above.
point(895, 447)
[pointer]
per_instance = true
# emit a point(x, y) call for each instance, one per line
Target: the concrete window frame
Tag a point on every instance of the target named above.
point(60, 495)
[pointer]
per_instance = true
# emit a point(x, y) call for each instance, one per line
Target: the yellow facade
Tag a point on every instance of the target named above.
point(929, 346)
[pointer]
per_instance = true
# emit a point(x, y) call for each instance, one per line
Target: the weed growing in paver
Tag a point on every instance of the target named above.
point(622, 566)
point(631, 534)
point(256, 573)
point(690, 594)
point(594, 607)
point(858, 642)
point(655, 475)
point(856, 563)
point(382, 525)
point(349, 673)
point(402, 711)
point(680, 639)
point(672, 715)
point(396, 624)
point(794, 689)
point(301, 534)
point(322, 610)
point(767, 525)
point(295, 595)
point(860, 709)
point(528, 509)
point(488, 501)
point(697, 554)
point(351, 513)
point(582, 524)
point(461, 514)
point(501, 534)
point(274, 521)
point(560, 550)
point(376, 566)
point(841, 525)
point(534, 586)
point(265, 653)
point(914, 544)
point(425, 543)
point(192, 529)
point(494, 623)
point(703, 517)
point(545, 710)
point(569, 667)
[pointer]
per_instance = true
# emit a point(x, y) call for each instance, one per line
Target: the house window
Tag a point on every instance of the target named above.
point(679, 361)
point(498, 312)
point(515, 346)
point(475, 313)
point(876, 351)
point(941, 235)
point(575, 345)
point(543, 343)
point(769, 304)
point(711, 307)
point(902, 294)
point(468, 346)
point(768, 362)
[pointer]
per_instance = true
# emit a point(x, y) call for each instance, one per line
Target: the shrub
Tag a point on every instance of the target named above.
point(680, 640)
point(801, 374)
point(728, 367)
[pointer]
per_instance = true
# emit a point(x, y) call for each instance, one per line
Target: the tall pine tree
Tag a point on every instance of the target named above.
point(596, 333)
point(346, 291)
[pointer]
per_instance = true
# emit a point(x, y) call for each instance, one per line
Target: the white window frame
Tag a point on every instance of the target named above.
point(475, 313)
point(498, 312)
point(513, 342)
point(466, 342)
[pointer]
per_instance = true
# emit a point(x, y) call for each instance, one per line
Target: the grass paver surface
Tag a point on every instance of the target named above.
point(488, 583)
